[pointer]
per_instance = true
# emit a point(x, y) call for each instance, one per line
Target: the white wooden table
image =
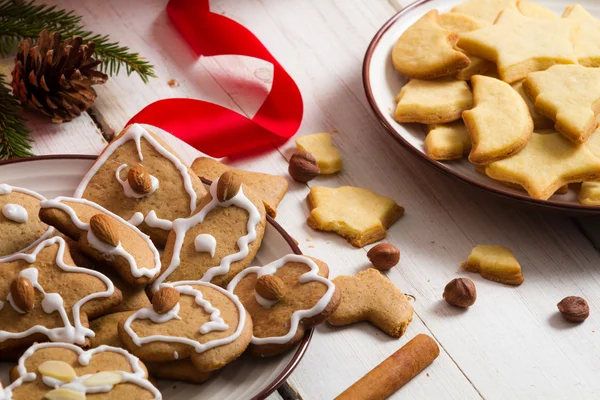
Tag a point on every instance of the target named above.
point(512, 343)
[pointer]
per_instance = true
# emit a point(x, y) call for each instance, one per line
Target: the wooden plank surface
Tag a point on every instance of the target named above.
point(512, 343)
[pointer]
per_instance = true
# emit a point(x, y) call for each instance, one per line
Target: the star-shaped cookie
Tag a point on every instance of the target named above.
point(547, 162)
point(589, 194)
point(485, 10)
point(359, 215)
point(447, 141)
point(370, 296)
point(587, 41)
point(520, 45)
point(534, 10)
point(570, 96)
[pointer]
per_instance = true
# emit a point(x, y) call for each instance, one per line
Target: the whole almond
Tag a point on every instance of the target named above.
point(139, 180)
point(574, 309)
point(303, 166)
point(460, 292)
point(104, 228)
point(228, 186)
point(165, 299)
point(270, 287)
point(384, 256)
point(23, 293)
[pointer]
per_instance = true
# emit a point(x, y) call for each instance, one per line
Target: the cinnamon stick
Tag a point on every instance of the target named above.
point(395, 371)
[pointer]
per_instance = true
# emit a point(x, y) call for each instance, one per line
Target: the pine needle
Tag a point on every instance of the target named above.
point(14, 136)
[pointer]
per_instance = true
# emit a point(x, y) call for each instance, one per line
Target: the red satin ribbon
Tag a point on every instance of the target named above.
point(213, 129)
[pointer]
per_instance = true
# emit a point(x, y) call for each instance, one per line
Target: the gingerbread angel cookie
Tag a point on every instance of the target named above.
point(105, 237)
point(20, 227)
point(219, 240)
point(61, 371)
point(139, 178)
point(285, 298)
point(43, 296)
point(200, 322)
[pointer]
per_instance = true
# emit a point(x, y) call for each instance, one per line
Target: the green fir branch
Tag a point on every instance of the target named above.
point(14, 136)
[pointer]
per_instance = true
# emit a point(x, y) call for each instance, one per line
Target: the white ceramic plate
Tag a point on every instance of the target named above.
point(245, 378)
point(382, 83)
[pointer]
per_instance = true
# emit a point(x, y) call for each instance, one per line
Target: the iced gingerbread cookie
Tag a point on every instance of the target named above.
point(219, 240)
point(61, 371)
point(105, 237)
point(20, 227)
point(500, 124)
point(200, 322)
point(520, 45)
point(433, 101)
point(485, 10)
point(359, 215)
point(426, 50)
point(495, 263)
point(322, 149)
point(270, 188)
point(43, 296)
point(370, 296)
point(447, 141)
point(587, 41)
point(139, 178)
point(285, 298)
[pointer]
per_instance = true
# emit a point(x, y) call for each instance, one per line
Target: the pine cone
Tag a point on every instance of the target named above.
point(56, 78)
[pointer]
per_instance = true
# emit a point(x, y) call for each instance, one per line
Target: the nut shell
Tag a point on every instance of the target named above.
point(270, 287)
point(23, 293)
point(574, 308)
point(104, 228)
point(460, 292)
point(165, 299)
point(384, 256)
point(303, 166)
point(139, 180)
point(228, 186)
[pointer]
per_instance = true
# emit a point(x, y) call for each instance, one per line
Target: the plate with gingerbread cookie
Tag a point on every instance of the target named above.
point(501, 94)
point(134, 275)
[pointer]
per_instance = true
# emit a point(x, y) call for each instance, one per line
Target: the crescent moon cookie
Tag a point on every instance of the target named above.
point(43, 296)
point(197, 321)
point(141, 179)
point(61, 371)
point(285, 298)
point(20, 227)
point(219, 240)
point(105, 237)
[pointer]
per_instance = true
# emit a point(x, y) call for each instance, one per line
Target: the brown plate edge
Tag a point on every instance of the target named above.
point(578, 209)
point(302, 346)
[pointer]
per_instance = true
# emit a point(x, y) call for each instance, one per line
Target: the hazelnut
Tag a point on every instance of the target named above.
point(303, 166)
point(574, 308)
point(460, 292)
point(384, 256)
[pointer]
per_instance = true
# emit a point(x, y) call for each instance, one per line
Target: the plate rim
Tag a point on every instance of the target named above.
point(302, 346)
point(446, 170)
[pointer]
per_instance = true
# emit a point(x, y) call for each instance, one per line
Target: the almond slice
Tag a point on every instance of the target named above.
point(64, 394)
point(103, 378)
point(58, 370)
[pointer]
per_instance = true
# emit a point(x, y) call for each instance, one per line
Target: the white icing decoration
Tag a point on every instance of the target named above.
point(176, 355)
point(71, 333)
point(137, 377)
point(182, 225)
point(128, 190)
point(15, 213)
point(136, 132)
point(136, 219)
point(216, 323)
point(7, 189)
point(205, 242)
point(101, 246)
point(153, 221)
point(298, 315)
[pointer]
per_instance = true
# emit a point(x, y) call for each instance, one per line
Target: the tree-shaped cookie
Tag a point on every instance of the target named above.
point(359, 215)
point(20, 226)
point(546, 163)
point(485, 10)
point(284, 298)
point(587, 41)
point(200, 321)
point(105, 237)
point(220, 239)
point(43, 296)
point(141, 179)
point(500, 124)
point(570, 96)
point(426, 50)
point(370, 296)
point(520, 45)
point(61, 371)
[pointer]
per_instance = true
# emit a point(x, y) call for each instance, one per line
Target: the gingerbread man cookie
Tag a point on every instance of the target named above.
point(220, 240)
point(61, 371)
point(20, 227)
point(200, 321)
point(105, 237)
point(285, 298)
point(43, 296)
point(139, 178)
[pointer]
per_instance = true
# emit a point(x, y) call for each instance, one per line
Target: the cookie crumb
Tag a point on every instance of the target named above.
point(173, 83)
point(311, 246)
